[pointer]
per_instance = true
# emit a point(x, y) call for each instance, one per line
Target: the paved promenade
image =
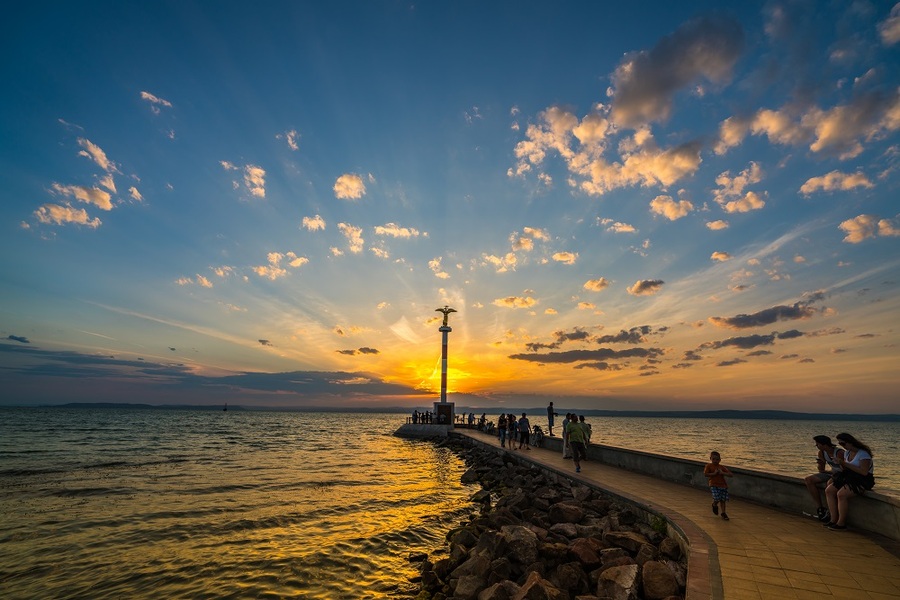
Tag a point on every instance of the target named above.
point(761, 553)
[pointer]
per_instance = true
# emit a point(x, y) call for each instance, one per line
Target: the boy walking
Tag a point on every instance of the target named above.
point(577, 435)
point(716, 473)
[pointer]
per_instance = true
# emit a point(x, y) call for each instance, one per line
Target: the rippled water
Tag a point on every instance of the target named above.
point(137, 503)
point(110, 503)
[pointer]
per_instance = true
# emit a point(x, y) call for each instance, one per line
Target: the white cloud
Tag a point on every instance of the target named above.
point(354, 237)
point(667, 207)
point(135, 194)
point(596, 285)
point(717, 225)
point(720, 256)
point(394, 230)
point(515, 302)
point(380, 253)
point(536, 233)
point(501, 263)
point(96, 154)
point(349, 186)
point(228, 166)
point(435, 265)
point(95, 196)
point(315, 223)
point(750, 201)
point(865, 227)
point(54, 214)
point(155, 102)
point(835, 180)
point(255, 180)
point(567, 258)
point(292, 137)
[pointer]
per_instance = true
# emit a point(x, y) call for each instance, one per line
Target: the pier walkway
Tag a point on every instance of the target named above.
point(761, 553)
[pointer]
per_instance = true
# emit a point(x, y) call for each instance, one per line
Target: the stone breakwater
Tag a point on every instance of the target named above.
point(537, 539)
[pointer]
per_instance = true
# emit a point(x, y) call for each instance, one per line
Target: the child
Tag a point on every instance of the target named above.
point(716, 474)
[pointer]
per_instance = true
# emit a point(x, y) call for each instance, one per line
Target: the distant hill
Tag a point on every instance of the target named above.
point(782, 415)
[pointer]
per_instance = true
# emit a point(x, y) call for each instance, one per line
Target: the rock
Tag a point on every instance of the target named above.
point(442, 567)
point(671, 548)
point(477, 566)
point(501, 570)
point(646, 553)
point(568, 530)
point(565, 513)
point(619, 583)
point(417, 557)
point(464, 537)
point(468, 586)
point(658, 581)
point(481, 497)
point(679, 570)
point(570, 577)
point(522, 544)
point(470, 476)
point(491, 544)
point(626, 539)
point(538, 588)
point(617, 562)
point(585, 552)
point(581, 493)
point(609, 554)
point(504, 590)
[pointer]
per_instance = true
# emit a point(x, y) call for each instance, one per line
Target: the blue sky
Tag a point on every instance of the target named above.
point(646, 205)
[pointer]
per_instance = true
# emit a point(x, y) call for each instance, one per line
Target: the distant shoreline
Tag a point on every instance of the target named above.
point(781, 415)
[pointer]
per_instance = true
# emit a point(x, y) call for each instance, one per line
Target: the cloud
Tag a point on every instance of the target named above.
point(869, 115)
point(99, 198)
point(537, 233)
point(255, 180)
point(515, 302)
point(135, 194)
point(228, 166)
point(18, 338)
point(644, 82)
point(667, 207)
point(435, 265)
point(596, 285)
point(646, 287)
point(616, 227)
point(54, 214)
point(363, 350)
point(96, 154)
point(353, 235)
point(349, 186)
point(635, 335)
point(394, 230)
point(265, 342)
point(501, 263)
point(835, 180)
point(717, 225)
point(567, 258)
point(571, 356)
point(889, 29)
point(315, 223)
point(274, 270)
point(720, 256)
point(799, 310)
point(863, 227)
point(204, 282)
point(291, 136)
point(155, 102)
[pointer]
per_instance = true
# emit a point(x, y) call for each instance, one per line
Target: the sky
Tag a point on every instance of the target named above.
point(630, 206)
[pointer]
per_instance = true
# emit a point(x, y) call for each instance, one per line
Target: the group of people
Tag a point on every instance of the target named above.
point(846, 470)
point(512, 430)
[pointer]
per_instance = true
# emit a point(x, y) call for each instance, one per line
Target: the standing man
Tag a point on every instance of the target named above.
point(550, 415)
point(565, 440)
point(524, 432)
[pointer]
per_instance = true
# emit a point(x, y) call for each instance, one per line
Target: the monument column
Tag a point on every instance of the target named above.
point(443, 408)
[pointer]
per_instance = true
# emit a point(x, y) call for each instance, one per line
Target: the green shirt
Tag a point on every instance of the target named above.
point(576, 432)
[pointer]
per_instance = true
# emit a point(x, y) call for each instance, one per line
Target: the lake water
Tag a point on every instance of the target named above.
point(114, 503)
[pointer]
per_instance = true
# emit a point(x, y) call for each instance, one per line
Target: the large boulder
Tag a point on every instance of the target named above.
point(585, 551)
point(504, 590)
point(522, 544)
point(538, 588)
point(476, 565)
point(567, 530)
point(563, 512)
point(619, 583)
point(670, 548)
point(468, 586)
point(629, 540)
point(658, 581)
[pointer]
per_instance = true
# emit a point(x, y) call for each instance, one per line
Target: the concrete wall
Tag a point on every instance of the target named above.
point(423, 430)
point(874, 512)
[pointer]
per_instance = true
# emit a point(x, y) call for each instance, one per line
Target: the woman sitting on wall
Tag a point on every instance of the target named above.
point(857, 475)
